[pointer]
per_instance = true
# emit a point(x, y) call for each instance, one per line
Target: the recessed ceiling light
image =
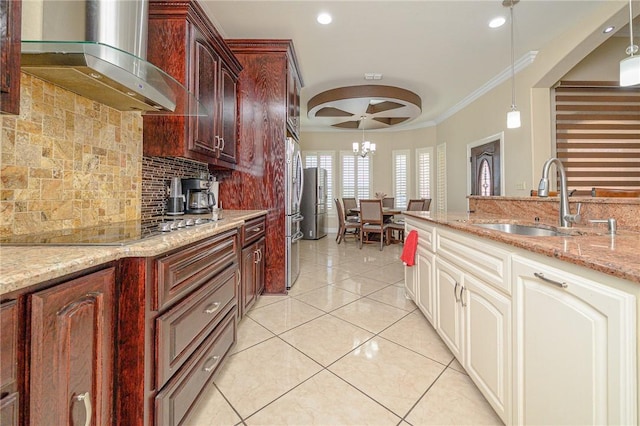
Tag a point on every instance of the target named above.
point(608, 29)
point(497, 22)
point(324, 18)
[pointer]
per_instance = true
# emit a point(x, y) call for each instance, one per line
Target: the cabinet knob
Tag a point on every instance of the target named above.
point(211, 363)
point(86, 398)
point(212, 308)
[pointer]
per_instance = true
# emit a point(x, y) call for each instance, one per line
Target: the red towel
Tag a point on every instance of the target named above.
point(408, 255)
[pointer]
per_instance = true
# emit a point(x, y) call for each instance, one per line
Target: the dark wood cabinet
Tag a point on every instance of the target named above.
point(258, 180)
point(9, 395)
point(252, 263)
point(71, 351)
point(10, 33)
point(293, 99)
point(177, 321)
point(197, 57)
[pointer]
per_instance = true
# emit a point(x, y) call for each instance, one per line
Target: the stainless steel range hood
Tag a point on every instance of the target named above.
point(97, 49)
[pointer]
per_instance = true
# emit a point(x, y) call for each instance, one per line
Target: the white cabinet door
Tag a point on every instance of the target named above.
point(575, 352)
point(426, 287)
point(410, 281)
point(448, 312)
point(487, 344)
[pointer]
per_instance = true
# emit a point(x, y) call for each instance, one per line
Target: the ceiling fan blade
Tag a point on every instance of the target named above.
point(332, 112)
point(377, 107)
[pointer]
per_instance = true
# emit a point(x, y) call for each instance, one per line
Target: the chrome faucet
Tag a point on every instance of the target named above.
point(566, 218)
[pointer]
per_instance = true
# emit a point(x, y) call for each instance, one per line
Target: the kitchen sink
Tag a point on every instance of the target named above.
point(528, 230)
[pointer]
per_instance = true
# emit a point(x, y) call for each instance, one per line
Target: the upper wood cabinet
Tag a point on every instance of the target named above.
point(10, 24)
point(197, 57)
point(293, 99)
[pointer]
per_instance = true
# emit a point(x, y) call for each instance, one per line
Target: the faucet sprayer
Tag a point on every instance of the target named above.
point(565, 216)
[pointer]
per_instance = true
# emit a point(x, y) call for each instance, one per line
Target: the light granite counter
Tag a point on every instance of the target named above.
point(588, 246)
point(23, 266)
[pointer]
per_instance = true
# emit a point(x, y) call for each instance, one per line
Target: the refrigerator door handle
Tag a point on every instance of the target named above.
point(300, 178)
point(297, 218)
point(297, 237)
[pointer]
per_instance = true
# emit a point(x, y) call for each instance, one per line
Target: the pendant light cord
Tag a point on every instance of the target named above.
point(632, 49)
point(513, 71)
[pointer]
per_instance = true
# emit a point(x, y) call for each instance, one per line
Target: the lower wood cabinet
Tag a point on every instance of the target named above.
point(9, 367)
point(252, 263)
point(71, 352)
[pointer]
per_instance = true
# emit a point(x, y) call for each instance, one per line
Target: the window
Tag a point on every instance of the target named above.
point(324, 160)
point(423, 163)
point(356, 175)
point(597, 137)
point(400, 177)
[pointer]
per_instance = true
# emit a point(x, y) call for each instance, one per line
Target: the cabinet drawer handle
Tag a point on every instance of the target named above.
point(211, 363)
point(258, 229)
point(212, 308)
point(464, 304)
point(455, 292)
point(549, 280)
point(86, 398)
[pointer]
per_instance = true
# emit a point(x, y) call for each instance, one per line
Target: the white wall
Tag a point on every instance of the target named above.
point(526, 148)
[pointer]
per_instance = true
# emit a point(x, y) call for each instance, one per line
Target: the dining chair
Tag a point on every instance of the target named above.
point(372, 220)
point(344, 225)
point(416, 205)
point(388, 202)
point(427, 204)
point(610, 192)
point(349, 203)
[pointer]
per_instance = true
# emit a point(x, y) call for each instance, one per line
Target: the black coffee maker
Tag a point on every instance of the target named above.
point(198, 199)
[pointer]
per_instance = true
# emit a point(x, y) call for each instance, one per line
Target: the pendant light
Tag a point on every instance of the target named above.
point(630, 67)
point(513, 116)
point(365, 147)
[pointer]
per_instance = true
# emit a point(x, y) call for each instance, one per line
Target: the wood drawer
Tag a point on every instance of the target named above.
point(183, 328)
point(253, 230)
point(175, 401)
point(182, 271)
point(9, 344)
point(425, 232)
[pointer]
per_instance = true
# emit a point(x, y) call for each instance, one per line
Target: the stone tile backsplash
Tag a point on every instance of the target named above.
point(67, 162)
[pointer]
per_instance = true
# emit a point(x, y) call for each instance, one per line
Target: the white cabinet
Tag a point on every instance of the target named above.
point(576, 348)
point(474, 320)
point(424, 274)
point(487, 348)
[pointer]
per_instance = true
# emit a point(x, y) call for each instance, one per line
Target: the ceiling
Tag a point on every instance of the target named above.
point(441, 50)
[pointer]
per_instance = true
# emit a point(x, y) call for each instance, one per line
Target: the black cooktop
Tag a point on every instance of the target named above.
point(112, 234)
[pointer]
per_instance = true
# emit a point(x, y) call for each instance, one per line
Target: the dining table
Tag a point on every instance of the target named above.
point(386, 211)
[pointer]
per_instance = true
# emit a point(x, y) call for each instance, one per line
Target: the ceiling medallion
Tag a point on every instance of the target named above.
point(382, 106)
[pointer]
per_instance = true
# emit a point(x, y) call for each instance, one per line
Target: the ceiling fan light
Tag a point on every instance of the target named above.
point(630, 71)
point(513, 119)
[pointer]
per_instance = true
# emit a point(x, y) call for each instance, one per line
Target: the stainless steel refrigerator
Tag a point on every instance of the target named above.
point(314, 203)
point(294, 184)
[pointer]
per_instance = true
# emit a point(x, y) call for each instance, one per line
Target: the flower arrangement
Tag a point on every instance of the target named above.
point(380, 195)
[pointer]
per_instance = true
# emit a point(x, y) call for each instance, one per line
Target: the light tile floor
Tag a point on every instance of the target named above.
point(344, 347)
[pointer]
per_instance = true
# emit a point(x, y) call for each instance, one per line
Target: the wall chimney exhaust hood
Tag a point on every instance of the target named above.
point(97, 49)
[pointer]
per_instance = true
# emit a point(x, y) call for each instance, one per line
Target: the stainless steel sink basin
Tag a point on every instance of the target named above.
point(528, 230)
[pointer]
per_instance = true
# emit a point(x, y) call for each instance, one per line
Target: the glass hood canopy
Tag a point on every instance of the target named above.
point(110, 76)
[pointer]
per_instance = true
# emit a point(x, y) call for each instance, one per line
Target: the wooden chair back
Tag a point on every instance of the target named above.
point(340, 210)
point(416, 205)
point(427, 204)
point(349, 203)
point(610, 192)
point(388, 202)
point(371, 212)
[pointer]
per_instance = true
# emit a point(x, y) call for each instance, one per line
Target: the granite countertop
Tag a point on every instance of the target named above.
point(23, 266)
point(588, 246)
